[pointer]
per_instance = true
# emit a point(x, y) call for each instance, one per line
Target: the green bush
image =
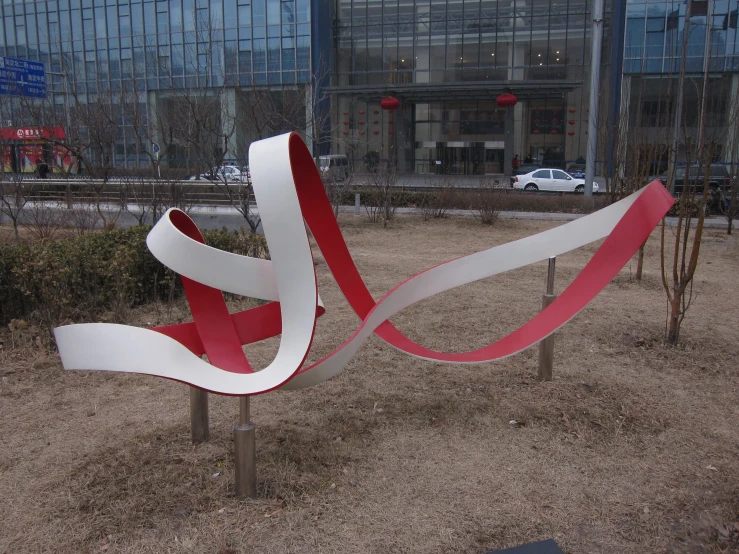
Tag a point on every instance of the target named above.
point(53, 281)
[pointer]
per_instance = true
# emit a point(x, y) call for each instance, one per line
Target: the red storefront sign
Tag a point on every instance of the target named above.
point(31, 133)
point(23, 148)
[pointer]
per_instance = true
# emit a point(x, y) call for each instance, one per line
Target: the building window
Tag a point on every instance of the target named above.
point(655, 113)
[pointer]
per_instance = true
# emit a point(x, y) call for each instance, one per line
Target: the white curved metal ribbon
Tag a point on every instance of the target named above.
point(290, 278)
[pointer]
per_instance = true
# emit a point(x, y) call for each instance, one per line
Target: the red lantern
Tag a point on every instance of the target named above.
point(375, 112)
point(586, 132)
point(375, 132)
point(361, 112)
point(506, 100)
point(346, 113)
point(346, 123)
point(361, 132)
point(572, 110)
point(537, 131)
point(361, 122)
point(346, 132)
point(390, 122)
point(554, 131)
point(376, 122)
point(571, 133)
point(389, 103)
point(571, 122)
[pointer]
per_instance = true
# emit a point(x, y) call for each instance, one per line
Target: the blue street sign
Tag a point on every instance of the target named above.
point(22, 78)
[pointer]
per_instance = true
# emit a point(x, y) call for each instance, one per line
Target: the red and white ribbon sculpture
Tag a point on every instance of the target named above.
point(289, 193)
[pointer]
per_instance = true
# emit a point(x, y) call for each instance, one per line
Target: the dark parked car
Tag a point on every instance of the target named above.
point(719, 179)
point(719, 184)
point(576, 170)
point(525, 168)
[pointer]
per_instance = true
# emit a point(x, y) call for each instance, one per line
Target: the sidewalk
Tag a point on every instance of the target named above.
point(216, 217)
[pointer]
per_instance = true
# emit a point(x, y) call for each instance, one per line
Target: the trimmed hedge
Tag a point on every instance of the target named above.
point(53, 281)
point(510, 200)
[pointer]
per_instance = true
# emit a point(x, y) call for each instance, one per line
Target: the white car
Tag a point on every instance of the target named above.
point(551, 180)
point(226, 173)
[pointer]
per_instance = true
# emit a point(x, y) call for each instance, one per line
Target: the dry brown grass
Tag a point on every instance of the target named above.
point(632, 448)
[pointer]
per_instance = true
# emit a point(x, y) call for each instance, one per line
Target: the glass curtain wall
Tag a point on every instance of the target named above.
point(439, 42)
point(160, 45)
point(654, 36)
point(652, 58)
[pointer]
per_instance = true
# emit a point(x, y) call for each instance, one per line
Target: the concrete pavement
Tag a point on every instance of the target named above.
point(217, 217)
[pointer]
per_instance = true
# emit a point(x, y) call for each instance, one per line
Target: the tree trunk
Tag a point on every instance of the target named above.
point(640, 261)
point(15, 230)
point(732, 206)
point(673, 330)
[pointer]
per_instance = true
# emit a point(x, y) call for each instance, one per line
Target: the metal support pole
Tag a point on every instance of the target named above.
point(546, 347)
point(245, 451)
point(199, 427)
point(596, 42)
point(357, 204)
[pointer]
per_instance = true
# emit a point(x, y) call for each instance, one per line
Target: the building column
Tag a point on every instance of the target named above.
point(309, 118)
point(508, 142)
point(154, 131)
point(422, 51)
point(403, 138)
point(623, 125)
point(421, 75)
point(731, 152)
point(228, 124)
point(514, 123)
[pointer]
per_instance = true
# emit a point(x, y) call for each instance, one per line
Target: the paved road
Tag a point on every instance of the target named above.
point(216, 217)
point(459, 181)
point(403, 180)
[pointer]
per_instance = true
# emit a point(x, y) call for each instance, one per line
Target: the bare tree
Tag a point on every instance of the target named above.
point(262, 112)
point(730, 202)
point(636, 149)
point(443, 197)
point(692, 207)
point(15, 188)
point(21, 197)
point(487, 201)
point(384, 193)
point(97, 128)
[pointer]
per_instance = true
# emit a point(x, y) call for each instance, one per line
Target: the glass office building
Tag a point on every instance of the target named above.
point(94, 45)
point(447, 61)
point(652, 61)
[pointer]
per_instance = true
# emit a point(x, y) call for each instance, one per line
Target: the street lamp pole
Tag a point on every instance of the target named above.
point(596, 42)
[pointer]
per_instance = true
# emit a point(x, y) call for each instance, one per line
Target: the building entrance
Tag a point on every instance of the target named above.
point(459, 158)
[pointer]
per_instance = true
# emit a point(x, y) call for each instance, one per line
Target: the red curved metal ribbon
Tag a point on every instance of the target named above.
point(220, 335)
